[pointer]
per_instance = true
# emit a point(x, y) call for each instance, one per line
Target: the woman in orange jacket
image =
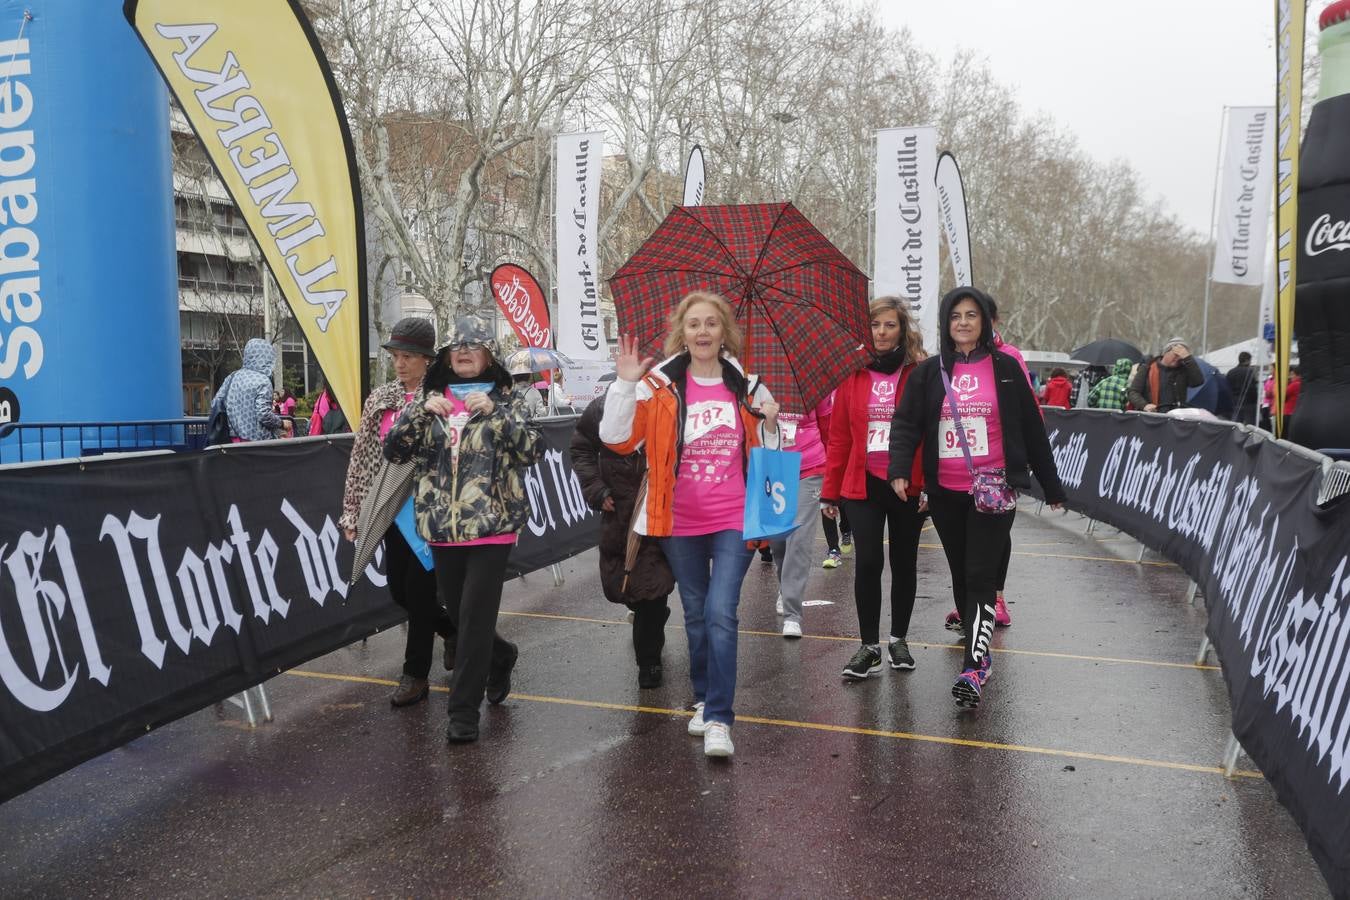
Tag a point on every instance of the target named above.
point(696, 416)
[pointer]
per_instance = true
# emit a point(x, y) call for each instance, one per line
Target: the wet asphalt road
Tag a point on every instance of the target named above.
point(1091, 769)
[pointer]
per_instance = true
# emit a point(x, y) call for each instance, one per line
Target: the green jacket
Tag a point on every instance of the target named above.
point(485, 494)
point(1111, 392)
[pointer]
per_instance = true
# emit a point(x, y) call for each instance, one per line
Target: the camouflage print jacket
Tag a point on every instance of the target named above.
point(485, 495)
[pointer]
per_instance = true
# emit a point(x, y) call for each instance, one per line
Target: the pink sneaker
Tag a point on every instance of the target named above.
point(953, 622)
point(1001, 617)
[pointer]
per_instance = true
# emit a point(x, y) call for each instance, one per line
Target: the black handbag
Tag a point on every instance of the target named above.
point(218, 420)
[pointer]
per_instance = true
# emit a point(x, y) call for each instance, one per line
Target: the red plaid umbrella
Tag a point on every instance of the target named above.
point(801, 303)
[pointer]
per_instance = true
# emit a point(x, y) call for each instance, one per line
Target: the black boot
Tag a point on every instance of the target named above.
point(499, 678)
point(649, 676)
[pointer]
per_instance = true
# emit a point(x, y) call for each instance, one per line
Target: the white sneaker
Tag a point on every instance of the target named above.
point(778, 607)
point(717, 740)
point(792, 629)
point(696, 725)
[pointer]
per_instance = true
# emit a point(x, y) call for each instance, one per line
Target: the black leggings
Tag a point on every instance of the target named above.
point(1007, 556)
point(414, 588)
point(649, 630)
point(974, 543)
point(870, 519)
point(832, 529)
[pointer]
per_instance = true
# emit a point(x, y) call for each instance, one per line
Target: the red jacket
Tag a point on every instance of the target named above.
point(846, 451)
point(1057, 392)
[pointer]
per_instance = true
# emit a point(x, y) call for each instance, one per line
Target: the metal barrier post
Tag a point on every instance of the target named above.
point(557, 572)
point(1230, 755)
point(1203, 652)
point(1191, 593)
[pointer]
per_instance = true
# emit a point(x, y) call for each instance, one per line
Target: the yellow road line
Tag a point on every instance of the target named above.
point(1110, 559)
point(850, 639)
point(820, 726)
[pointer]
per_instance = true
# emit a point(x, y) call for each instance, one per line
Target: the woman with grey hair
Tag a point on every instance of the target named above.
point(471, 442)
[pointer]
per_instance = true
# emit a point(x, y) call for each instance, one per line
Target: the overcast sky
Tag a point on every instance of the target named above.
point(1145, 81)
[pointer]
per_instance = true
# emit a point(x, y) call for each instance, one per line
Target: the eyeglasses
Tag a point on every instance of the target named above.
point(467, 345)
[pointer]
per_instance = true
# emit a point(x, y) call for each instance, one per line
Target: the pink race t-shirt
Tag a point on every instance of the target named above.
point(801, 434)
point(975, 389)
point(390, 416)
point(710, 484)
point(880, 411)
point(454, 431)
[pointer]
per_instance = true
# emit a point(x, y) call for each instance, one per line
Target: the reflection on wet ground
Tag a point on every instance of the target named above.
point(1092, 769)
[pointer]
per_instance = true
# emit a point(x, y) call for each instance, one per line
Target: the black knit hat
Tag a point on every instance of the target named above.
point(413, 335)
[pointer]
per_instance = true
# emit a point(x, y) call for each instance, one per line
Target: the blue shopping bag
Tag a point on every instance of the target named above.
point(407, 526)
point(771, 493)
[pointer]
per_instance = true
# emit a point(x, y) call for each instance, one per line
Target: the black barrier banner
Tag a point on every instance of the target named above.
point(1239, 513)
point(134, 591)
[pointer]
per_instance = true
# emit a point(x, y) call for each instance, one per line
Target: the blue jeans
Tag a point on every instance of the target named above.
point(709, 569)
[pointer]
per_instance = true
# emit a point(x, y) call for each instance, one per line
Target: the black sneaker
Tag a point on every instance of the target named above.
point(867, 661)
point(499, 679)
point(900, 656)
point(649, 676)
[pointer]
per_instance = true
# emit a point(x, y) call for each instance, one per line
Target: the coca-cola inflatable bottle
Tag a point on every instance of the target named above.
point(1322, 295)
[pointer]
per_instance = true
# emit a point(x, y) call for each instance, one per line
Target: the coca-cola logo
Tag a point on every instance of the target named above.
point(1327, 235)
point(522, 302)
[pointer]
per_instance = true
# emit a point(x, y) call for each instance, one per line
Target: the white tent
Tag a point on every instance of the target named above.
point(1225, 358)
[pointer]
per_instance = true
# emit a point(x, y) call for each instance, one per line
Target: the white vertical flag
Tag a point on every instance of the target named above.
point(694, 178)
point(955, 222)
point(906, 250)
point(1245, 196)
point(577, 213)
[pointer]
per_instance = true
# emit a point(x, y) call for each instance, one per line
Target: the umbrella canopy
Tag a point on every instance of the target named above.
point(389, 490)
point(1106, 352)
point(534, 359)
point(1214, 395)
point(801, 302)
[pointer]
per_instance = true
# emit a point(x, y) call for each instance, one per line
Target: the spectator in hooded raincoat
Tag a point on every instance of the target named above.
point(248, 395)
point(1112, 391)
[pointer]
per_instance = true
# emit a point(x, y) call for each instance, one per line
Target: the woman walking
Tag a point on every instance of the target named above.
point(855, 475)
point(471, 442)
point(970, 415)
point(611, 483)
point(696, 416)
point(411, 346)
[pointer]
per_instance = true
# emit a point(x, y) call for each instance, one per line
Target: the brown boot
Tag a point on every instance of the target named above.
point(410, 690)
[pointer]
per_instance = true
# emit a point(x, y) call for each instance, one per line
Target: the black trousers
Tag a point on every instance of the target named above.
point(470, 582)
point(870, 519)
point(974, 543)
point(649, 630)
point(414, 589)
point(832, 528)
point(1007, 558)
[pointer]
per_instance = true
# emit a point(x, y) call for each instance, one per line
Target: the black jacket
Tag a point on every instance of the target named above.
point(1245, 383)
point(1025, 443)
point(604, 473)
point(1173, 383)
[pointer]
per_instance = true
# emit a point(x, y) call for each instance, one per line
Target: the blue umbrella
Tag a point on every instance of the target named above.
point(1214, 394)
